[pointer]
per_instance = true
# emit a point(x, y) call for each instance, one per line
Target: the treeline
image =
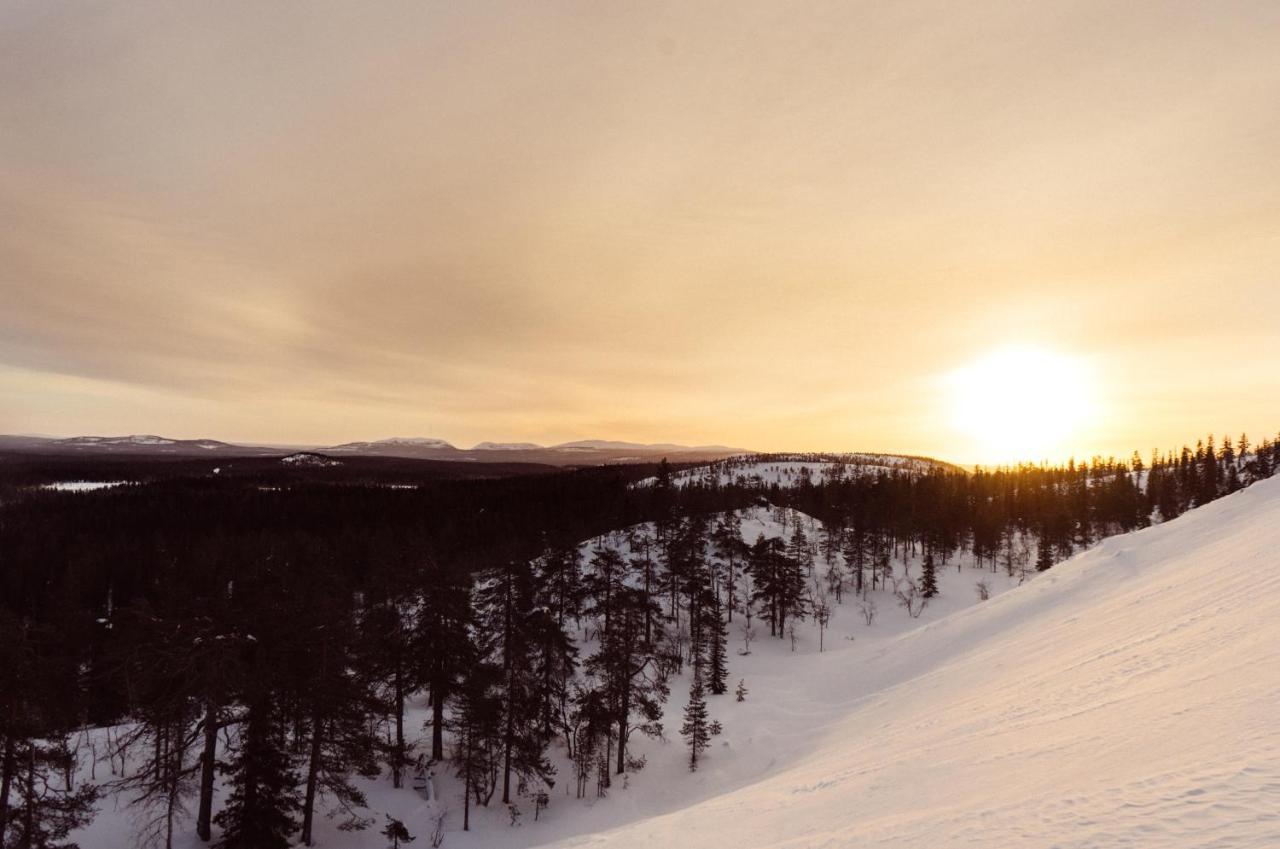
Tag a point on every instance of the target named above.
point(274, 640)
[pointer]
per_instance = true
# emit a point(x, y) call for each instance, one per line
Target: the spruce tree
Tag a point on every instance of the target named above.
point(928, 577)
point(695, 729)
point(716, 639)
point(260, 812)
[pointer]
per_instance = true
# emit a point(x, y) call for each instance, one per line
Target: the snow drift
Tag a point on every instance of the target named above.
point(1128, 697)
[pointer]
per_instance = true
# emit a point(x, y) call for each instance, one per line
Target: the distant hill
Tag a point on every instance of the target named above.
point(581, 453)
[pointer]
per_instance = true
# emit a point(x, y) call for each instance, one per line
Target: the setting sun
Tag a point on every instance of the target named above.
point(1022, 403)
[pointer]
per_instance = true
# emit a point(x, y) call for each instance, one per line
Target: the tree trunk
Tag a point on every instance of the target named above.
point(397, 768)
point(32, 794)
point(6, 782)
point(509, 735)
point(437, 719)
point(313, 777)
point(204, 818)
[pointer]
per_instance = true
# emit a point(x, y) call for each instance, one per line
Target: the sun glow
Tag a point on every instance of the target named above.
point(1022, 404)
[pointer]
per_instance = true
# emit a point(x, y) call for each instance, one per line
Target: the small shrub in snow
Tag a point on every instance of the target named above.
point(398, 833)
point(867, 607)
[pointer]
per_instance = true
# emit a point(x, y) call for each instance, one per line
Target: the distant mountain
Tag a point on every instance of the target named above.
point(129, 444)
point(614, 445)
point(583, 452)
point(396, 446)
point(579, 453)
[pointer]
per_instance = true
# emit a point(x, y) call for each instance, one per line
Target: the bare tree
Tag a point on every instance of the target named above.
point(748, 634)
point(821, 613)
point(909, 596)
point(867, 607)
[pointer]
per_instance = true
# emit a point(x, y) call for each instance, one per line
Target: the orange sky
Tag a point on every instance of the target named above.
point(773, 225)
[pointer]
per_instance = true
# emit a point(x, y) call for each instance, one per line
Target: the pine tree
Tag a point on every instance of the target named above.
point(627, 668)
point(440, 640)
point(741, 692)
point(476, 723)
point(506, 612)
point(39, 696)
point(695, 729)
point(716, 637)
point(337, 701)
point(928, 577)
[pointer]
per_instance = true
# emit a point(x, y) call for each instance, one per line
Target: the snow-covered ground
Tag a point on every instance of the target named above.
point(758, 733)
point(1127, 698)
point(791, 470)
point(81, 486)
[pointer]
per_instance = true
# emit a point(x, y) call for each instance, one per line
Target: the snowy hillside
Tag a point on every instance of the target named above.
point(1125, 698)
point(758, 733)
point(1041, 717)
point(790, 470)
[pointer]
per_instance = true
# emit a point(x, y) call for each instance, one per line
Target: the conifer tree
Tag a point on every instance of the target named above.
point(397, 832)
point(928, 577)
point(628, 670)
point(476, 723)
point(506, 612)
point(716, 638)
point(261, 810)
point(695, 729)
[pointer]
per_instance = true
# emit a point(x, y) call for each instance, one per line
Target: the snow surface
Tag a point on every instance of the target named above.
point(81, 486)
point(414, 441)
point(789, 472)
point(1125, 698)
point(506, 446)
point(305, 458)
point(616, 445)
point(133, 439)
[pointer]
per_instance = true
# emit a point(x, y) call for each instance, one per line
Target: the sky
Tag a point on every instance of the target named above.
point(773, 225)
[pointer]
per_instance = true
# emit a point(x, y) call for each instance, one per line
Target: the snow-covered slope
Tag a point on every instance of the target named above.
point(790, 470)
point(1125, 698)
point(1128, 697)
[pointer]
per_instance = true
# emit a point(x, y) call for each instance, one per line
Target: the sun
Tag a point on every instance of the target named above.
point(1020, 404)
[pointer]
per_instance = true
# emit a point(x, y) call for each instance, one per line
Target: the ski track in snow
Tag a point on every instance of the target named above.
point(1125, 698)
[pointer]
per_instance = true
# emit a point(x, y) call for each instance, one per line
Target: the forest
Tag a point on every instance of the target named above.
point(268, 633)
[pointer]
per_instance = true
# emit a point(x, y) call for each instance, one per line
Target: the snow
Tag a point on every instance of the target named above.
point(506, 446)
point(395, 442)
point(415, 440)
point(790, 471)
point(304, 458)
point(615, 445)
point(134, 439)
point(82, 486)
point(1125, 698)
